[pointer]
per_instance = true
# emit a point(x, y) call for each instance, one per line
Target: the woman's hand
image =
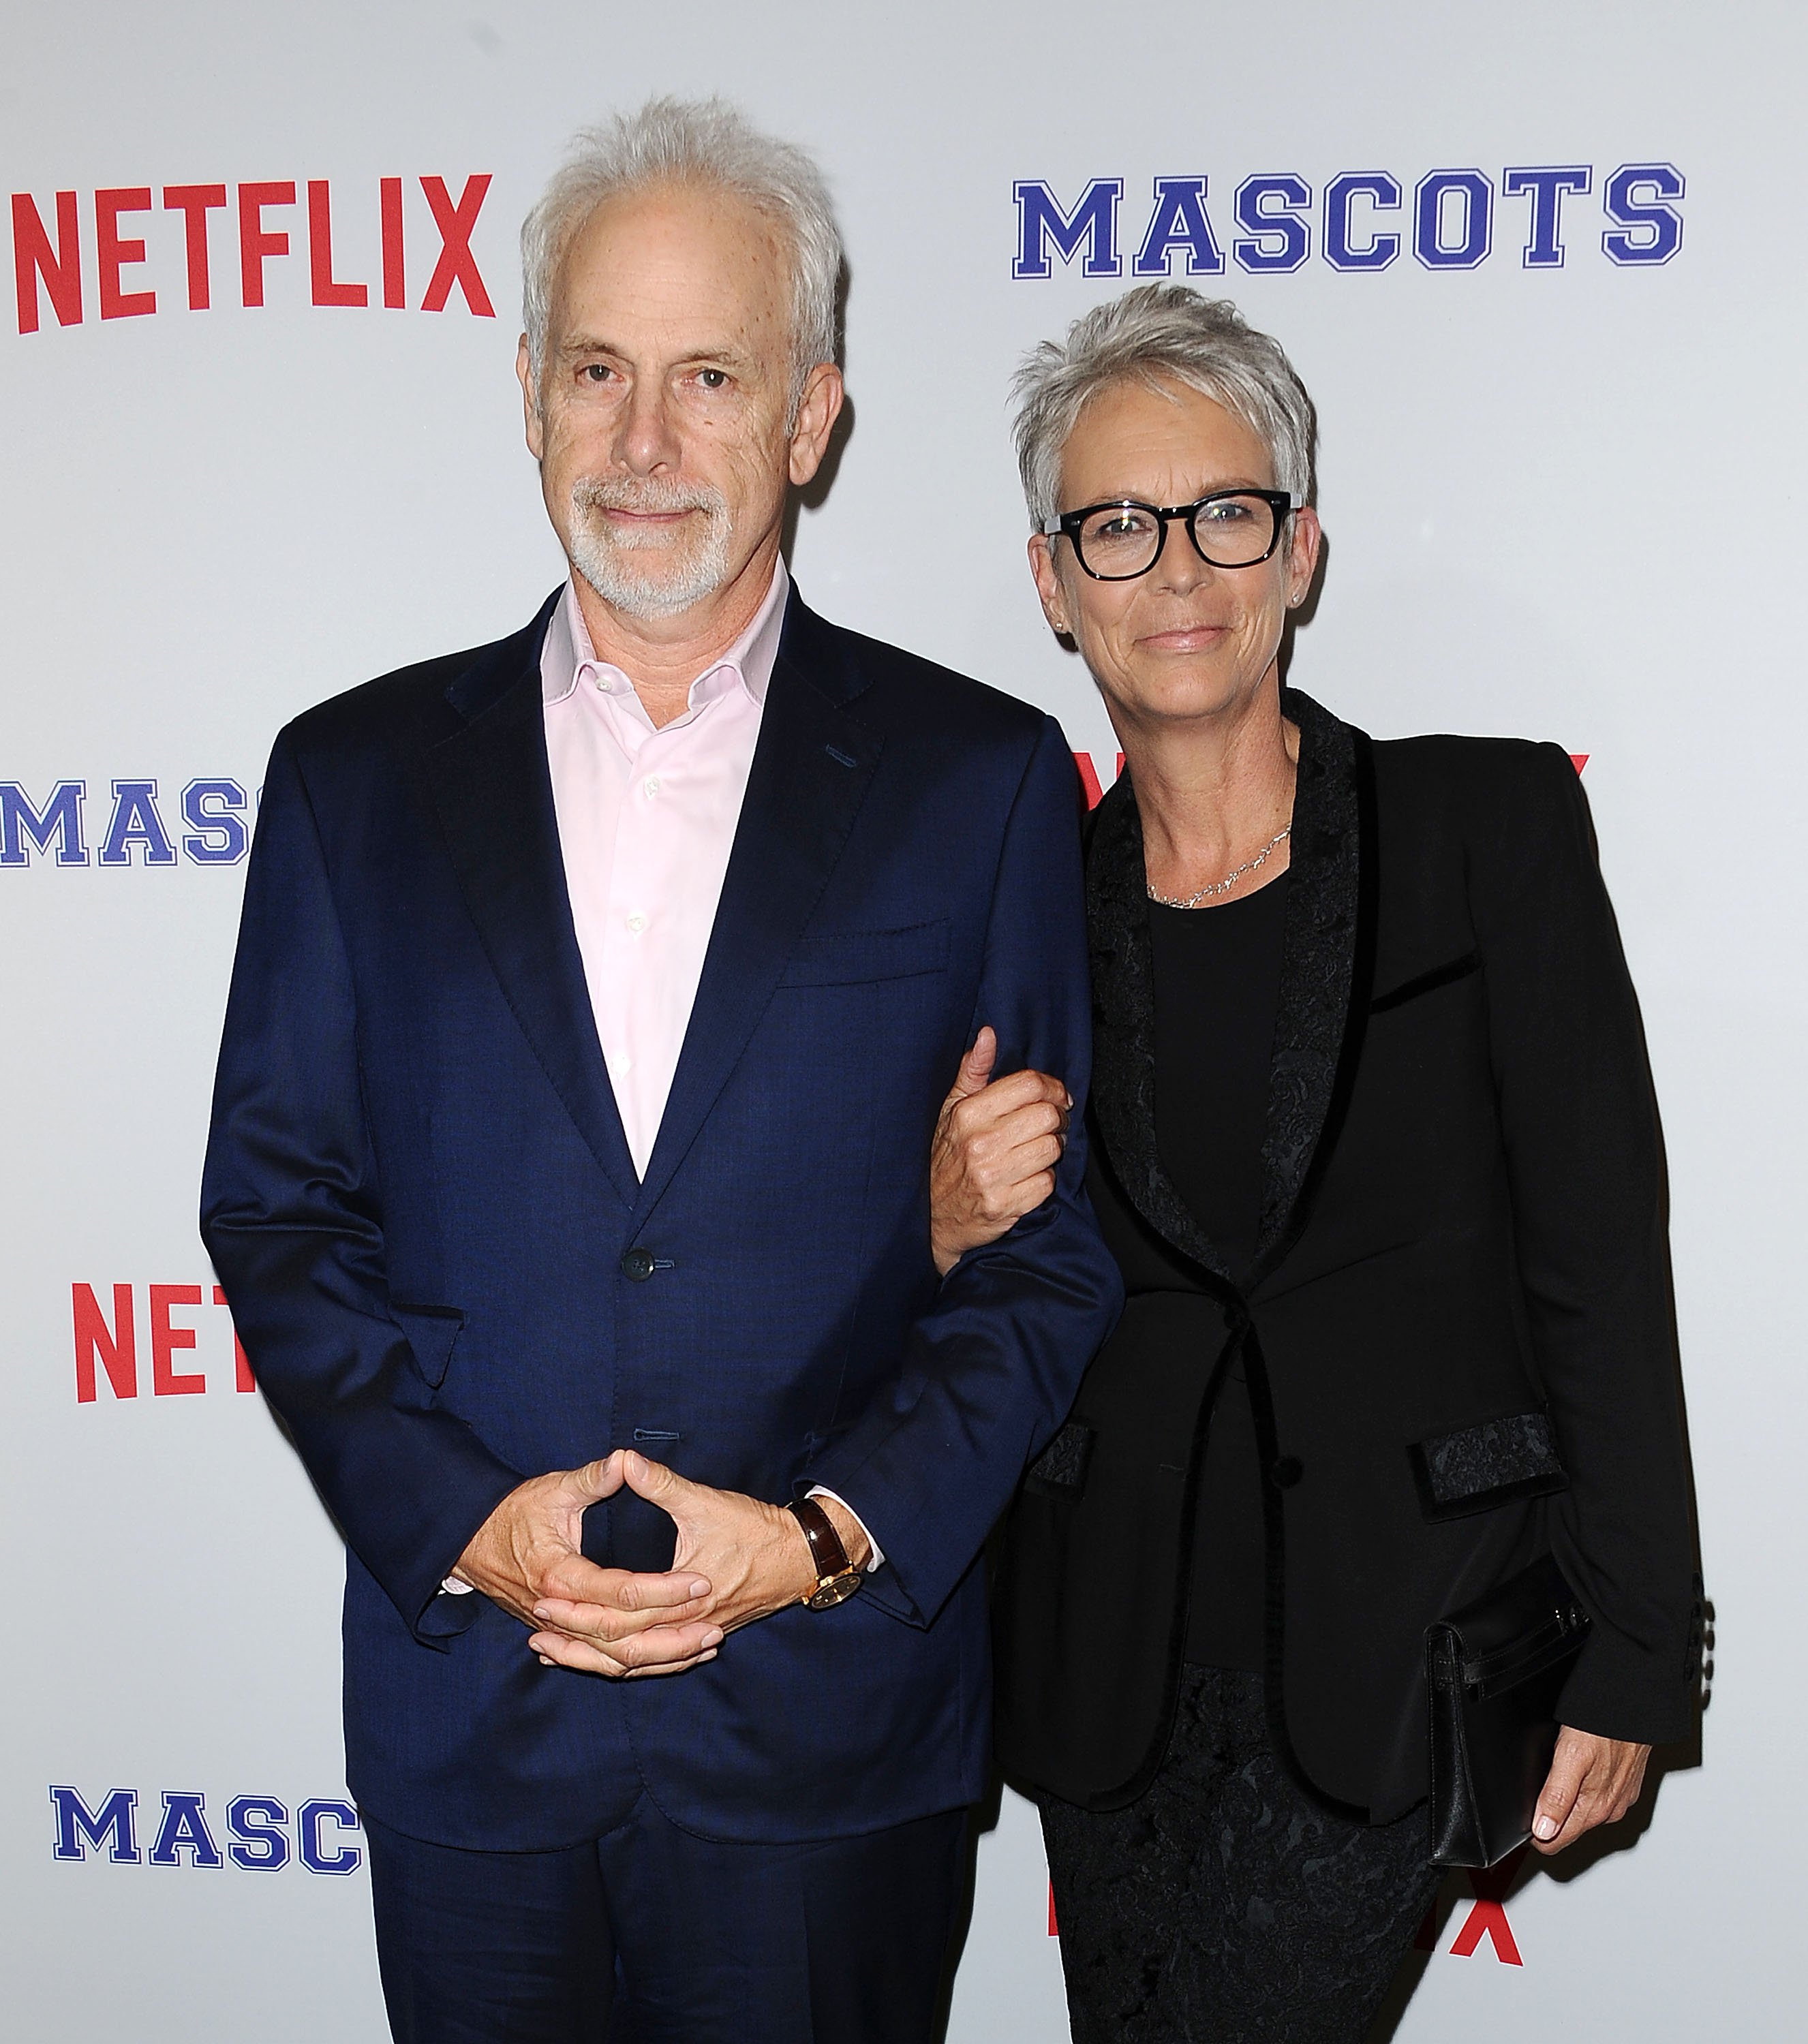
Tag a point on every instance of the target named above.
point(1593, 1780)
point(993, 1158)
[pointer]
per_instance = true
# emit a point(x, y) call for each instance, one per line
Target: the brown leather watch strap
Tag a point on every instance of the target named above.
point(837, 1578)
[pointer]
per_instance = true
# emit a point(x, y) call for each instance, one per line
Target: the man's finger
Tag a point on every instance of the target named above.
point(1556, 1799)
point(616, 1620)
point(976, 1068)
point(667, 1647)
point(595, 1480)
point(654, 1482)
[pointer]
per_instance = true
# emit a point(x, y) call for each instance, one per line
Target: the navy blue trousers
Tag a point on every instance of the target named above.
point(650, 1935)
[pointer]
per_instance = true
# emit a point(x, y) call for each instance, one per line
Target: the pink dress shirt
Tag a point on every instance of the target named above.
point(647, 820)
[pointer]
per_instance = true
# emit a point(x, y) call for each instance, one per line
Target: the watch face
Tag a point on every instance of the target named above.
point(834, 1590)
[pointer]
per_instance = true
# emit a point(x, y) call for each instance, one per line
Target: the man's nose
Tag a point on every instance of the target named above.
point(646, 438)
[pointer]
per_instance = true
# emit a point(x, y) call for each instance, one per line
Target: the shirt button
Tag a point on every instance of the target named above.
point(1285, 1473)
point(638, 1264)
point(636, 922)
point(653, 786)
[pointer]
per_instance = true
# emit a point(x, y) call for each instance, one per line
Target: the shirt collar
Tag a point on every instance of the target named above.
point(567, 656)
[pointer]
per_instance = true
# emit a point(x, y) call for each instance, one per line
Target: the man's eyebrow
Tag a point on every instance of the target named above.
point(724, 352)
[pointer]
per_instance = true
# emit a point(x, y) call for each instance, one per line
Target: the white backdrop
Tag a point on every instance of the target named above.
point(1562, 500)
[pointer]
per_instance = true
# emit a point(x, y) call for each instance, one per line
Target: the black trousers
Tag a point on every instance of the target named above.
point(1225, 1903)
point(651, 1935)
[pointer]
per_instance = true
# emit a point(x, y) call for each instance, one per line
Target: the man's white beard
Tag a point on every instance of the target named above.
point(604, 551)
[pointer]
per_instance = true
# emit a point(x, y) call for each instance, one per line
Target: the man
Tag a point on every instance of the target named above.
point(568, 1181)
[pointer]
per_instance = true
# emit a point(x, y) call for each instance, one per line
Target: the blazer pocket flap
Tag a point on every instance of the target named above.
point(433, 1333)
point(1446, 974)
point(853, 957)
point(1059, 1470)
point(1495, 1462)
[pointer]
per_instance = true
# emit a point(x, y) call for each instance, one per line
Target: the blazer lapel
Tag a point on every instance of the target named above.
point(1326, 966)
point(811, 769)
point(493, 789)
point(1123, 1028)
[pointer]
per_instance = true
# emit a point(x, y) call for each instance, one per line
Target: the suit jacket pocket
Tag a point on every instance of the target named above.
point(433, 1333)
point(1446, 974)
point(1494, 1463)
point(854, 957)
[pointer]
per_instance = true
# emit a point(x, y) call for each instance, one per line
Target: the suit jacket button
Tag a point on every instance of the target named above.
point(638, 1264)
point(1287, 1471)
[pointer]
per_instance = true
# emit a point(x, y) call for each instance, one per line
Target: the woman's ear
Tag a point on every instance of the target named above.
point(1049, 584)
point(1302, 554)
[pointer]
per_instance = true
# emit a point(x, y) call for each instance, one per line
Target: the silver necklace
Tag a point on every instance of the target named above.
point(1230, 879)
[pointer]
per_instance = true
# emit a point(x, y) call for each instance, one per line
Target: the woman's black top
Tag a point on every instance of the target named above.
point(1217, 975)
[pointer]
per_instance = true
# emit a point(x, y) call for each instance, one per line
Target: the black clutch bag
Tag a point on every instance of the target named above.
point(1493, 1672)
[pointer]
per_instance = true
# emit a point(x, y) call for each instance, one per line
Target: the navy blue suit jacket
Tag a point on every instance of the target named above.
point(419, 1198)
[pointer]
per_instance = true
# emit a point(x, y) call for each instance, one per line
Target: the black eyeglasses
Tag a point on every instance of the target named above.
point(1230, 529)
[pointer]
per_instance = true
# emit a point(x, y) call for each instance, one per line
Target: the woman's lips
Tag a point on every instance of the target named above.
point(1185, 639)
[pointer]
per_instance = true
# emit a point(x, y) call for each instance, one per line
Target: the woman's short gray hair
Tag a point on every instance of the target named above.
point(693, 142)
point(1161, 333)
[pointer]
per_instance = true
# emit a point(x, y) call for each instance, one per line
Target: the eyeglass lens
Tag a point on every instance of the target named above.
point(1123, 540)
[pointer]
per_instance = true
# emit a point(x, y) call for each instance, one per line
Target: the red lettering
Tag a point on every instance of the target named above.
point(1487, 1915)
point(112, 254)
point(326, 290)
point(394, 279)
point(165, 1340)
point(193, 203)
point(1089, 777)
point(256, 242)
point(457, 264)
point(117, 1346)
point(242, 1378)
point(33, 258)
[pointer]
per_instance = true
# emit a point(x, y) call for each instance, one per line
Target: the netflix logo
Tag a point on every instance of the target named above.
point(108, 1347)
point(77, 257)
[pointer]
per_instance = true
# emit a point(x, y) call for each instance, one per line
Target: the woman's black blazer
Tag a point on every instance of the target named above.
point(1458, 1338)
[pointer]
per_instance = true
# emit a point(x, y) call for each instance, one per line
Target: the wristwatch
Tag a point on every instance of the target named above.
point(837, 1579)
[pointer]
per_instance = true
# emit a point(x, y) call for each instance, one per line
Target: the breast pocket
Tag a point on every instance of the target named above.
point(855, 958)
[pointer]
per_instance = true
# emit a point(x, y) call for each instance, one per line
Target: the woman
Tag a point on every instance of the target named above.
point(1373, 1139)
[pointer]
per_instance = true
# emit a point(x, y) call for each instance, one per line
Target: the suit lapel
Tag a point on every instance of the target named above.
point(1327, 967)
point(494, 793)
point(1123, 1035)
point(1326, 964)
point(811, 769)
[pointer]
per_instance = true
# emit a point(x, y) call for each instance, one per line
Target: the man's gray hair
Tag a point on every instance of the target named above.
point(1155, 334)
point(692, 142)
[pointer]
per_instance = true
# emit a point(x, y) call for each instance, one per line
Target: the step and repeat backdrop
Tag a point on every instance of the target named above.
point(1541, 267)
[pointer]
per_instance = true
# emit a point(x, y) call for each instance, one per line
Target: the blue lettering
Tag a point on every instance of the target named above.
point(1279, 239)
point(61, 817)
point(259, 1840)
point(315, 1857)
point(1431, 210)
point(213, 809)
point(78, 1827)
point(1093, 220)
point(1178, 221)
point(136, 821)
point(184, 1829)
point(1383, 192)
point(1546, 183)
point(1645, 229)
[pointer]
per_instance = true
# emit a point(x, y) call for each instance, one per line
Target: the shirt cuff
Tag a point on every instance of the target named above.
point(454, 1588)
point(876, 1560)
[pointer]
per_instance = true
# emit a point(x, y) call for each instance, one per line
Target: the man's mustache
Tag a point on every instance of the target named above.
point(646, 494)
